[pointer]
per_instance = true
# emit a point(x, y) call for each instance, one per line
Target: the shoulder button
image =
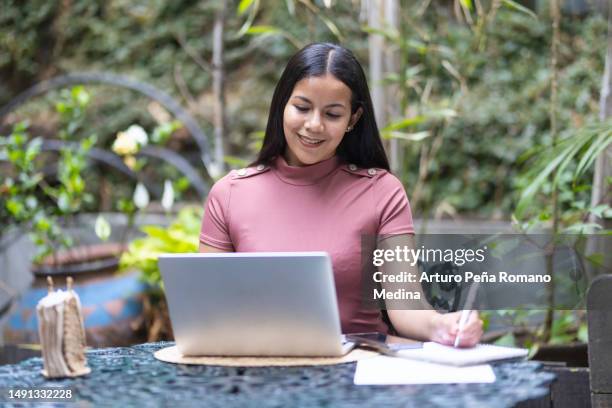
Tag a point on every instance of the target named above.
point(352, 167)
point(248, 172)
point(371, 172)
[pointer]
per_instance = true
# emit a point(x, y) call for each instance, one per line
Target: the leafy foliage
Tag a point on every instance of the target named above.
point(26, 198)
point(180, 237)
point(44, 190)
point(569, 326)
point(569, 160)
point(499, 92)
point(492, 74)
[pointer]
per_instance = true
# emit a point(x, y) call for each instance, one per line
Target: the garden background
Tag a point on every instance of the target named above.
point(493, 113)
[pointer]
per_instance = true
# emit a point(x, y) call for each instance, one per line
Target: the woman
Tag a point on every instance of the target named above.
point(320, 183)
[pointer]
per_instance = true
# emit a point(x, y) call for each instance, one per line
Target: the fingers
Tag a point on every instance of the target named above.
point(448, 329)
point(471, 333)
point(474, 317)
point(446, 339)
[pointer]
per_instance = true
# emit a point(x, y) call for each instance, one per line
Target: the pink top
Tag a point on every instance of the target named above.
point(326, 206)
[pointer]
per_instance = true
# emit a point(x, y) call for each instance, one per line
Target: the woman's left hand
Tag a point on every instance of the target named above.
point(445, 328)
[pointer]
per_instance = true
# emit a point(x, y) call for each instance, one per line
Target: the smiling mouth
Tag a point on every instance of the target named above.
point(310, 141)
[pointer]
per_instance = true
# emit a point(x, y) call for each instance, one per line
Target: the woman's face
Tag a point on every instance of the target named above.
point(316, 118)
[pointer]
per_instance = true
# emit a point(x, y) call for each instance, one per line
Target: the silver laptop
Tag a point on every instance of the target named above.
point(253, 304)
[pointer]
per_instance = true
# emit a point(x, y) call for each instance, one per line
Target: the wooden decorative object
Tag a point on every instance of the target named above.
point(62, 334)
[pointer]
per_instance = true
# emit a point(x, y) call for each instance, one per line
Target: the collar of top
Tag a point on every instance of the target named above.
point(305, 175)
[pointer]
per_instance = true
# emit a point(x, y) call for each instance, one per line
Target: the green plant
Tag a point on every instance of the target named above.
point(28, 200)
point(562, 170)
point(20, 201)
point(494, 73)
point(556, 173)
point(564, 167)
point(69, 194)
point(43, 202)
point(568, 327)
point(180, 237)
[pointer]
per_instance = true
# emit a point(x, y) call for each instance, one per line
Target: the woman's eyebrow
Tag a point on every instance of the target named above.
point(331, 105)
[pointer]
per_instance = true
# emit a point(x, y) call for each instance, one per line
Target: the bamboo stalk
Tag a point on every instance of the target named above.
point(218, 89)
point(391, 65)
point(376, 46)
point(555, 14)
point(603, 167)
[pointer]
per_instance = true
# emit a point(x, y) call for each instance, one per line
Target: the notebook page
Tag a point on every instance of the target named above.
point(391, 370)
point(482, 353)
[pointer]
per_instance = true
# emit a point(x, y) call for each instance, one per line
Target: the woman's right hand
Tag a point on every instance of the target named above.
point(445, 328)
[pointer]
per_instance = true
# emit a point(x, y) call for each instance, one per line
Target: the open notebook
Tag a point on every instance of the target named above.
point(482, 353)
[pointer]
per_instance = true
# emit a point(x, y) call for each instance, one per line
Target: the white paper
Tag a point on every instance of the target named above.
point(480, 354)
point(393, 370)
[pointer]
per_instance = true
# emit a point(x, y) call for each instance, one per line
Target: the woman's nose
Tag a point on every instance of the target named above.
point(313, 123)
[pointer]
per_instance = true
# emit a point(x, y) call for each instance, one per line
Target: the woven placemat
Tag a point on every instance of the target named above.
point(172, 355)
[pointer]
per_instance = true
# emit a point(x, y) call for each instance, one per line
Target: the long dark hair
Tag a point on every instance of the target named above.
point(362, 145)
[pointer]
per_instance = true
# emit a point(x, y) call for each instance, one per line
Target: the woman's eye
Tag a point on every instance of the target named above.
point(301, 108)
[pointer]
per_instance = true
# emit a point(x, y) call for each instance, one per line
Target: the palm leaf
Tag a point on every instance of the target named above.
point(587, 144)
point(602, 142)
point(243, 6)
point(514, 5)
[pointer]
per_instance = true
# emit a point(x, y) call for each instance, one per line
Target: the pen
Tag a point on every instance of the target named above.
point(465, 314)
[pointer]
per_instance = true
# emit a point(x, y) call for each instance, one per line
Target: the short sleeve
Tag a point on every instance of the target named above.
point(395, 216)
point(215, 223)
